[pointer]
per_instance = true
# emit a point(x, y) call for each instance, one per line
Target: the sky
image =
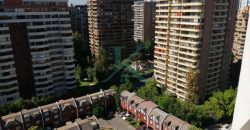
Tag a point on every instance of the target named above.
point(77, 2)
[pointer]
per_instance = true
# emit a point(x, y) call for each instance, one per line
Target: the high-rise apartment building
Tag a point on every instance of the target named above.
point(197, 35)
point(111, 26)
point(36, 55)
point(240, 33)
point(144, 20)
point(79, 22)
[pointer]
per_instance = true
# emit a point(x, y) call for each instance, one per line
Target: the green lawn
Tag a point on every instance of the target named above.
point(88, 83)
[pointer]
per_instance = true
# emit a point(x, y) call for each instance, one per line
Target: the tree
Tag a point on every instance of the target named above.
point(220, 105)
point(103, 64)
point(149, 92)
point(192, 86)
point(97, 110)
point(192, 127)
point(78, 48)
point(78, 72)
point(91, 73)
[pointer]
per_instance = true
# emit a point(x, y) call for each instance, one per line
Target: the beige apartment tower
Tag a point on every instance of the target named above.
point(193, 34)
point(240, 33)
point(144, 20)
point(111, 26)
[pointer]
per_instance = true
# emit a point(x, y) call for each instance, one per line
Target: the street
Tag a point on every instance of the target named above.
point(116, 123)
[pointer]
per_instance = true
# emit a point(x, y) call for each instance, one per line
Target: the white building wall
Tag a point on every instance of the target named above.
point(242, 106)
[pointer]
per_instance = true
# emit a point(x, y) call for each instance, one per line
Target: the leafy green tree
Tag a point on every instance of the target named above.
point(97, 110)
point(192, 127)
point(128, 87)
point(103, 64)
point(192, 86)
point(220, 105)
point(149, 92)
point(78, 73)
point(78, 48)
point(91, 73)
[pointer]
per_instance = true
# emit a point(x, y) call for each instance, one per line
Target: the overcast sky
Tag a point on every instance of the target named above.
point(77, 2)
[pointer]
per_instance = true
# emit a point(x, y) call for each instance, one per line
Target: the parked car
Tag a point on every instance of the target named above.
point(124, 117)
point(122, 114)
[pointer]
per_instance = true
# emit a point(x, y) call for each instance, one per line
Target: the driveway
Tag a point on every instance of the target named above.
point(116, 123)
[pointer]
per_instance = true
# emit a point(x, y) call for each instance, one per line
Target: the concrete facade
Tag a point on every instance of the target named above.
point(111, 26)
point(144, 20)
point(79, 22)
point(240, 33)
point(36, 55)
point(193, 35)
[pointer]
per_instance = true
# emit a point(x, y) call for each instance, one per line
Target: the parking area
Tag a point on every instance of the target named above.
point(116, 123)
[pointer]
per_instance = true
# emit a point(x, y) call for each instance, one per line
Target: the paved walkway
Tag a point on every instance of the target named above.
point(116, 123)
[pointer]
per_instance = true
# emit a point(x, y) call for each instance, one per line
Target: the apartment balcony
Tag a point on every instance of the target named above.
point(214, 72)
point(217, 39)
point(172, 65)
point(193, 60)
point(160, 56)
point(171, 81)
point(198, 3)
point(160, 67)
point(215, 56)
point(223, 4)
point(172, 71)
point(161, 27)
point(220, 16)
point(159, 71)
point(160, 77)
point(183, 69)
point(213, 78)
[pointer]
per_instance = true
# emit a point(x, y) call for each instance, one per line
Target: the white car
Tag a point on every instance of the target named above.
point(124, 118)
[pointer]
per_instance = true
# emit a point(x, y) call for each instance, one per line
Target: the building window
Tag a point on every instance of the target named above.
point(157, 126)
point(47, 119)
point(55, 111)
point(57, 123)
point(46, 113)
point(56, 116)
point(18, 128)
point(27, 119)
point(27, 125)
point(37, 122)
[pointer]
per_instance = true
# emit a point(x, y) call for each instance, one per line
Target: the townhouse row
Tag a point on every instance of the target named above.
point(90, 123)
point(150, 114)
point(57, 114)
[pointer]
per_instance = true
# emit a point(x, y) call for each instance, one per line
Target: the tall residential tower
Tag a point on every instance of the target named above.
point(240, 33)
point(193, 35)
point(36, 55)
point(79, 22)
point(144, 20)
point(111, 26)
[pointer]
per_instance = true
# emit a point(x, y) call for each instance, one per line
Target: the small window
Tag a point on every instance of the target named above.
point(47, 119)
point(37, 122)
point(18, 127)
point(46, 113)
point(56, 116)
